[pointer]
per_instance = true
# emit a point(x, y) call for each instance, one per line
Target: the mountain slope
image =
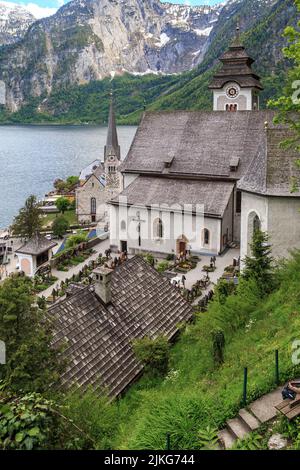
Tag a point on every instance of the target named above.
point(91, 39)
point(262, 23)
point(14, 22)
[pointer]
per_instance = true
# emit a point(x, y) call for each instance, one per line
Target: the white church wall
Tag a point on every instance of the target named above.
point(243, 100)
point(124, 227)
point(284, 225)
point(252, 204)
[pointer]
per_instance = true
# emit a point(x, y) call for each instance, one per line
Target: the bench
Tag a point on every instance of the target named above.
point(289, 408)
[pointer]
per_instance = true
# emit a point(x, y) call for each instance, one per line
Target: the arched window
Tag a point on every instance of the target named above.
point(158, 229)
point(123, 225)
point(256, 224)
point(93, 206)
point(206, 236)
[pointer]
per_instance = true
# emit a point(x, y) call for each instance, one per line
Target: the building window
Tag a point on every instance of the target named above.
point(238, 202)
point(112, 169)
point(206, 236)
point(93, 206)
point(231, 107)
point(158, 229)
point(256, 224)
point(123, 225)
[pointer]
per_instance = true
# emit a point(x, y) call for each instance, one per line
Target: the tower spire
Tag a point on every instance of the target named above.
point(237, 39)
point(112, 144)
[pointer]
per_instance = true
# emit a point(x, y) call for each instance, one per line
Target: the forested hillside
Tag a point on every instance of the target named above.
point(262, 24)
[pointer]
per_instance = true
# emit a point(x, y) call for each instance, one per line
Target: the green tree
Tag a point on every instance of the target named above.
point(288, 104)
point(31, 363)
point(59, 226)
point(62, 204)
point(74, 240)
point(28, 221)
point(153, 353)
point(259, 266)
point(72, 181)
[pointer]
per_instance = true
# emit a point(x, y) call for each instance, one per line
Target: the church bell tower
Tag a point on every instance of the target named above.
point(235, 86)
point(112, 155)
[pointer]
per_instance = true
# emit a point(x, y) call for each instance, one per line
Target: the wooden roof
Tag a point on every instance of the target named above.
point(148, 191)
point(202, 143)
point(273, 168)
point(36, 246)
point(98, 338)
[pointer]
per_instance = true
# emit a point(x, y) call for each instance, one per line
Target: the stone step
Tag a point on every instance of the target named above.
point(238, 427)
point(226, 438)
point(264, 408)
point(249, 419)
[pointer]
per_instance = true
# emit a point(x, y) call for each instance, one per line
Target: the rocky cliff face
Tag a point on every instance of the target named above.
point(14, 22)
point(90, 39)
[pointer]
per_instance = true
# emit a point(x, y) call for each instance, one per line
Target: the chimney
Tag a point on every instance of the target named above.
point(102, 278)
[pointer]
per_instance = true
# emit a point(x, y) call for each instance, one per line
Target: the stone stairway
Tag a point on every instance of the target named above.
point(250, 419)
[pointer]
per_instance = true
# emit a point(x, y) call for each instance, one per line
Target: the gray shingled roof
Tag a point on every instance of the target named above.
point(236, 67)
point(98, 337)
point(36, 246)
point(273, 168)
point(202, 143)
point(147, 191)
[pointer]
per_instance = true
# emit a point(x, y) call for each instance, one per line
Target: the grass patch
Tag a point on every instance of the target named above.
point(69, 215)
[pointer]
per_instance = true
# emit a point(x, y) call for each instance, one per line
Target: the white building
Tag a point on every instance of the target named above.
point(34, 254)
point(223, 172)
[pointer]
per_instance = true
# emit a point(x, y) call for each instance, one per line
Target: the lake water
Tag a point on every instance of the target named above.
point(32, 157)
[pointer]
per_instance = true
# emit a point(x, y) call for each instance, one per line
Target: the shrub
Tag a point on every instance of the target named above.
point(162, 266)
point(95, 416)
point(153, 353)
point(27, 423)
point(59, 226)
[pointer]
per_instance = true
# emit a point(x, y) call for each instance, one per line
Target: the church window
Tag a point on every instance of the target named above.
point(238, 202)
point(112, 169)
point(256, 224)
point(123, 225)
point(158, 228)
point(206, 236)
point(231, 107)
point(93, 205)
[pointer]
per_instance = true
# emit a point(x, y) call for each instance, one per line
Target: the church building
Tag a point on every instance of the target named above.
point(100, 182)
point(203, 181)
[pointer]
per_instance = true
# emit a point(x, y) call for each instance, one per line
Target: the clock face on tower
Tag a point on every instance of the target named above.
point(232, 91)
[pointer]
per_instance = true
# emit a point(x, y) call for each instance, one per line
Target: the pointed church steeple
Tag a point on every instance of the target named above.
point(236, 86)
point(112, 147)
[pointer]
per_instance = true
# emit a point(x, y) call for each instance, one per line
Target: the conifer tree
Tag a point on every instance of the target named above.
point(260, 264)
point(28, 222)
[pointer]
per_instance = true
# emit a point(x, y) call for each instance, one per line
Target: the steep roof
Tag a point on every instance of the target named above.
point(99, 338)
point(112, 143)
point(36, 246)
point(198, 143)
point(273, 168)
point(236, 66)
point(89, 169)
point(147, 191)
